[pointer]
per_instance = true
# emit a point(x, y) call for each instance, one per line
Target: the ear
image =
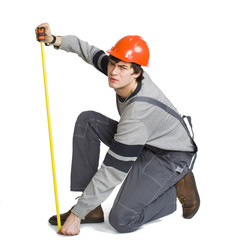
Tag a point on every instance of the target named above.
point(136, 75)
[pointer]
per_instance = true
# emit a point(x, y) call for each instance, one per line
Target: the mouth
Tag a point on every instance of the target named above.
point(113, 80)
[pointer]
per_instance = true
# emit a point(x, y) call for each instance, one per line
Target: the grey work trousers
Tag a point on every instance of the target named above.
point(147, 193)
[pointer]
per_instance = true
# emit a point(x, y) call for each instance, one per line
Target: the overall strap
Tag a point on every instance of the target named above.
point(174, 114)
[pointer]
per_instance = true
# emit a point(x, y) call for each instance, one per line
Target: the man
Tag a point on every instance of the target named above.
point(150, 148)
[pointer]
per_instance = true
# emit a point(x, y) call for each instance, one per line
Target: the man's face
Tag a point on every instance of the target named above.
point(120, 75)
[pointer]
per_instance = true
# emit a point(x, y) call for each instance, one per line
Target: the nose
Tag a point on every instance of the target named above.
point(114, 70)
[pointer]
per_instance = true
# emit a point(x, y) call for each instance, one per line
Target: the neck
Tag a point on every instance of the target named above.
point(127, 91)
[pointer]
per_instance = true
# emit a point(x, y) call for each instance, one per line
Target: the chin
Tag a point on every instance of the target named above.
point(112, 85)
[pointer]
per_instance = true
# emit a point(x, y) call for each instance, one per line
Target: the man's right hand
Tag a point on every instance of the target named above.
point(48, 36)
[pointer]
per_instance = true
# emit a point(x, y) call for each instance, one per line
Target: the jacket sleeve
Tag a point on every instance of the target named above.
point(127, 145)
point(90, 54)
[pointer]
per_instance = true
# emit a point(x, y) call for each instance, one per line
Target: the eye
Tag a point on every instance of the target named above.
point(111, 63)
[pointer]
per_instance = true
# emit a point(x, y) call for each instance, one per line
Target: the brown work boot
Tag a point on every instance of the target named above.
point(95, 216)
point(186, 191)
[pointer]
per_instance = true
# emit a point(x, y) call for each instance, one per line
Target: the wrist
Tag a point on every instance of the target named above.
point(58, 41)
point(78, 219)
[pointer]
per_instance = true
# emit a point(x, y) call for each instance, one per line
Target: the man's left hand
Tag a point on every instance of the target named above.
point(71, 226)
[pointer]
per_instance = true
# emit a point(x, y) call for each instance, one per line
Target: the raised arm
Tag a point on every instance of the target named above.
point(73, 44)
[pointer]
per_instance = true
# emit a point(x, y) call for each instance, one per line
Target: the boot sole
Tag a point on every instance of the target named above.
point(97, 220)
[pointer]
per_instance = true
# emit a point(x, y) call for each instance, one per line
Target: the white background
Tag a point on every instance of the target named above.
point(192, 61)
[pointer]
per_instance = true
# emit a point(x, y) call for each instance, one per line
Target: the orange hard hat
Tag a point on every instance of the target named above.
point(131, 49)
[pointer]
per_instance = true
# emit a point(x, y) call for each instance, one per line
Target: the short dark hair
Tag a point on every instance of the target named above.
point(136, 67)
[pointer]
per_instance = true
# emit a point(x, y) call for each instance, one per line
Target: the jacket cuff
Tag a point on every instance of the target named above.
point(79, 211)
